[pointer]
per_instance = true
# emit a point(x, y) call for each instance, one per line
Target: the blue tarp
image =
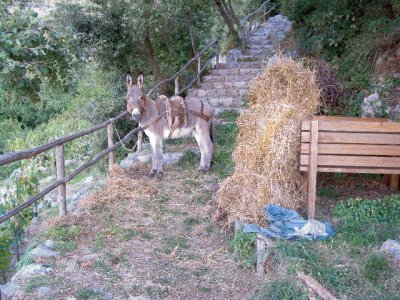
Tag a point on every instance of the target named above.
point(288, 224)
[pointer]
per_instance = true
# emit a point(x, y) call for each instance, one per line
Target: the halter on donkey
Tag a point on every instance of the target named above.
point(173, 118)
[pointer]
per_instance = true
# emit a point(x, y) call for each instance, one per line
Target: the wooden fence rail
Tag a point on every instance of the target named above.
point(19, 155)
point(68, 178)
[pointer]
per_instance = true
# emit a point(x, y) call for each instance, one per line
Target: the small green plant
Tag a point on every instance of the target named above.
point(62, 232)
point(88, 293)
point(106, 269)
point(189, 160)
point(35, 282)
point(281, 290)
point(229, 115)
point(328, 191)
point(243, 244)
point(369, 211)
point(190, 222)
point(376, 267)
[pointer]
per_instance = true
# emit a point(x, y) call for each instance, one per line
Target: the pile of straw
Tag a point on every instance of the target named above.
point(267, 152)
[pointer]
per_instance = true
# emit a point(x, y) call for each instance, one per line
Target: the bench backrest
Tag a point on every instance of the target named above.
point(350, 145)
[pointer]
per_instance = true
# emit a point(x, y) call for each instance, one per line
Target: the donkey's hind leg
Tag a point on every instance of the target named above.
point(202, 136)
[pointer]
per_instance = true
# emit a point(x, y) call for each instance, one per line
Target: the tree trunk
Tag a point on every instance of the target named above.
point(190, 25)
point(235, 19)
point(226, 16)
point(152, 60)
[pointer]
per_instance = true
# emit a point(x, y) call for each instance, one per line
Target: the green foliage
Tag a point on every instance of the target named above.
point(328, 191)
point(229, 115)
point(243, 243)
point(224, 143)
point(88, 293)
point(349, 34)
point(188, 160)
point(31, 51)
point(369, 211)
point(376, 266)
point(22, 185)
point(281, 290)
point(63, 232)
point(36, 281)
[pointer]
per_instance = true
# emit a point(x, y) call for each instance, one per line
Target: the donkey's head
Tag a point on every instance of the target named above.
point(134, 96)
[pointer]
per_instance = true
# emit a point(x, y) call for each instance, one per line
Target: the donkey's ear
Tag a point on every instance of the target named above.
point(128, 80)
point(140, 80)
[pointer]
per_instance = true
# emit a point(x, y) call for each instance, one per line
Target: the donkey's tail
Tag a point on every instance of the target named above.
point(212, 129)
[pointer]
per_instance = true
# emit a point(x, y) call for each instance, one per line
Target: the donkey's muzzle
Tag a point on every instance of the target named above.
point(136, 114)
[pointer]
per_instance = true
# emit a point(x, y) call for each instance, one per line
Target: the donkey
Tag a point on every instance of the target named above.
point(145, 111)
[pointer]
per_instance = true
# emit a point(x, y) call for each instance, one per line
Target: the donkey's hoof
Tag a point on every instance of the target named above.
point(159, 175)
point(153, 173)
point(204, 170)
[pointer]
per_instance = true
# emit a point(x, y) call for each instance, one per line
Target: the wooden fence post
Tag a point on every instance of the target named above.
point(198, 69)
point(62, 189)
point(176, 85)
point(110, 144)
point(217, 61)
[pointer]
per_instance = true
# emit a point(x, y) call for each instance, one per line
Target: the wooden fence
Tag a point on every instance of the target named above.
point(58, 144)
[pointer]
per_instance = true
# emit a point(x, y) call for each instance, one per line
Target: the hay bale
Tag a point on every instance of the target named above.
point(268, 145)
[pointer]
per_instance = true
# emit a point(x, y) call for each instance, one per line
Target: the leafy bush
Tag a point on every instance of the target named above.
point(244, 245)
point(349, 34)
point(369, 211)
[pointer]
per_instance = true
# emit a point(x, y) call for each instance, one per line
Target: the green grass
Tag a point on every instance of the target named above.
point(225, 140)
point(328, 191)
point(347, 264)
point(62, 232)
point(35, 282)
point(281, 290)
point(88, 293)
point(189, 160)
point(64, 247)
point(105, 268)
point(172, 242)
point(229, 115)
point(190, 222)
point(376, 267)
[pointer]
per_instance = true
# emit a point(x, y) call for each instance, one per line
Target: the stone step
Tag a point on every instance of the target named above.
point(236, 71)
point(258, 40)
point(258, 53)
point(220, 102)
point(259, 47)
point(223, 78)
point(219, 92)
point(224, 84)
point(252, 58)
point(244, 65)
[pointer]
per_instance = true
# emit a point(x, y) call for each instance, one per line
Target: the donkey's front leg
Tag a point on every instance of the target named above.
point(157, 156)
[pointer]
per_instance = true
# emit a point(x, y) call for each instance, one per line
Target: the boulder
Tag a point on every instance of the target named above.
point(392, 247)
point(31, 270)
point(371, 106)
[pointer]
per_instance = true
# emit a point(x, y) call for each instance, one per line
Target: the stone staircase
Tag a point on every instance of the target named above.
point(226, 87)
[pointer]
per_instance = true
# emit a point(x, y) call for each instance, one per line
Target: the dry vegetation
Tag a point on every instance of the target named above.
point(267, 152)
point(142, 237)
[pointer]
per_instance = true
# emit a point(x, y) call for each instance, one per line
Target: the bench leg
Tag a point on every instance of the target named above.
point(394, 183)
point(312, 169)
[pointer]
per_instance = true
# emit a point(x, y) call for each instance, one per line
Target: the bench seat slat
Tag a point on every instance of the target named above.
point(354, 138)
point(353, 170)
point(353, 161)
point(354, 149)
point(351, 126)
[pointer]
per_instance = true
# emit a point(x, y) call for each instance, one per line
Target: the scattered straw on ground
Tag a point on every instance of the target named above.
point(267, 152)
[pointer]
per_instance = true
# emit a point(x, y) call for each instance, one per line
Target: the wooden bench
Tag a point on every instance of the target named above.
point(348, 145)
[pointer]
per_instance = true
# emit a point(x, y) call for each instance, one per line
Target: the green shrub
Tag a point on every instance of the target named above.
point(376, 267)
point(369, 211)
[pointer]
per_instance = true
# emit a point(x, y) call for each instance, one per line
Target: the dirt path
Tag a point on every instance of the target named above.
point(142, 237)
